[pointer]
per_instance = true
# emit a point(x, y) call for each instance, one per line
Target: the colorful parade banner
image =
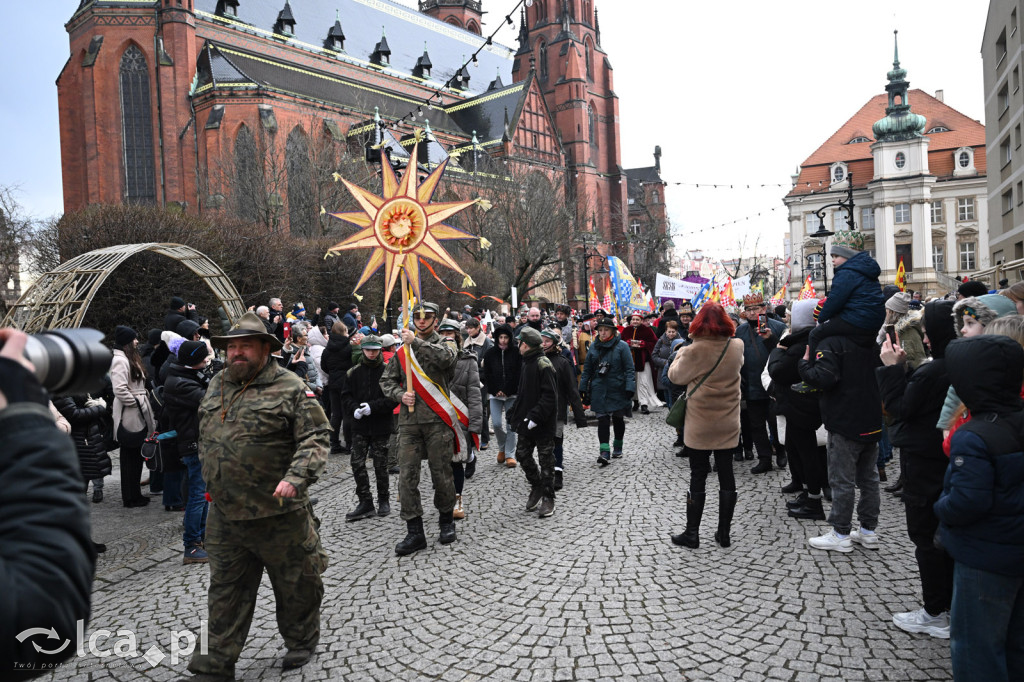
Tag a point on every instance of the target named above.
point(628, 296)
point(593, 303)
point(901, 276)
point(807, 291)
point(702, 296)
point(670, 287)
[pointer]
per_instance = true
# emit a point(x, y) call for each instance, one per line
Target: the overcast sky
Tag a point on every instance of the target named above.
point(735, 93)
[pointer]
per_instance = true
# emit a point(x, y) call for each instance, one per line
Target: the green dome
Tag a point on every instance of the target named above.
point(899, 126)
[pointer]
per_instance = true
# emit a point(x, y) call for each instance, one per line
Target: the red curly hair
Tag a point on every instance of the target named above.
point(712, 320)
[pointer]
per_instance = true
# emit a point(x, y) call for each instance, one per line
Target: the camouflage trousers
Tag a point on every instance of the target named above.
point(376, 448)
point(434, 443)
point(544, 476)
point(288, 546)
point(393, 443)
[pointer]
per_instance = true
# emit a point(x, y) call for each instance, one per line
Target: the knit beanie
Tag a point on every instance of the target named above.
point(187, 328)
point(177, 302)
point(847, 243)
point(889, 290)
point(972, 288)
point(191, 353)
point(803, 315)
point(984, 309)
point(817, 308)
point(899, 303)
point(153, 337)
point(124, 335)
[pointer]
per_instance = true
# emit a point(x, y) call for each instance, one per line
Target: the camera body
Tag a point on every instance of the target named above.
point(69, 361)
point(602, 368)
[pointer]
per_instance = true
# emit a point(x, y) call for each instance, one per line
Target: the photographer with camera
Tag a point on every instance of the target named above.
point(46, 554)
point(609, 381)
point(178, 312)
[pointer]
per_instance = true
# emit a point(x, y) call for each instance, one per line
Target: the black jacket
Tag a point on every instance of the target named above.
point(800, 409)
point(502, 367)
point(666, 316)
point(173, 318)
point(363, 386)
point(568, 392)
point(844, 371)
point(538, 393)
point(914, 399)
point(336, 359)
point(47, 558)
point(182, 393)
point(88, 431)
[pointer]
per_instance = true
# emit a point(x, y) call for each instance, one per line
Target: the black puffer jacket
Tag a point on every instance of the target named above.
point(336, 359)
point(538, 393)
point(914, 399)
point(183, 391)
point(88, 429)
point(502, 367)
point(800, 409)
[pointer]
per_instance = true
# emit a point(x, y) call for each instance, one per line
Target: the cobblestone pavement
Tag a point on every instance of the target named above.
point(597, 591)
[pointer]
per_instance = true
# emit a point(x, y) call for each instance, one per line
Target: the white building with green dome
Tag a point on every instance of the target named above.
point(919, 190)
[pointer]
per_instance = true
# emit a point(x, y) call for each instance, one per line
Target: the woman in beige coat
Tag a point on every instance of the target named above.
point(133, 416)
point(712, 426)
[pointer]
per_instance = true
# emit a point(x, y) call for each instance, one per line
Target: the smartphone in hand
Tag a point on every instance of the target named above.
point(762, 323)
point(890, 331)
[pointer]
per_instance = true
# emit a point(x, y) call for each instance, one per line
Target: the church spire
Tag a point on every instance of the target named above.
point(899, 122)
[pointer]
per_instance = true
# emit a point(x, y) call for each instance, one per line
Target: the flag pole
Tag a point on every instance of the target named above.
point(408, 351)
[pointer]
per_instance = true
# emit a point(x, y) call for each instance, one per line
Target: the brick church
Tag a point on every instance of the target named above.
point(158, 95)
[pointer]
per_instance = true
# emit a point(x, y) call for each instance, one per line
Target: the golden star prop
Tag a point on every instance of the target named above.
point(401, 226)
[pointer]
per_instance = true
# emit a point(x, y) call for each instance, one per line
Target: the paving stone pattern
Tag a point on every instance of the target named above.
point(596, 592)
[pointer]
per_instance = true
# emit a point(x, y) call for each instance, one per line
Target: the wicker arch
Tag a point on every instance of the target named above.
point(61, 297)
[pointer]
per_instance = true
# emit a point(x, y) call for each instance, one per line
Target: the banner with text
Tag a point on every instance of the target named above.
point(670, 287)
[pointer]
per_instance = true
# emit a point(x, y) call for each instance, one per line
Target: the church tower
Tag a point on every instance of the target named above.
point(465, 14)
point(561, 40)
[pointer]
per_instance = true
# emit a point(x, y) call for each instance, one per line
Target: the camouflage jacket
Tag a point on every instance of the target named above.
point(275, 431)
point(438, 360)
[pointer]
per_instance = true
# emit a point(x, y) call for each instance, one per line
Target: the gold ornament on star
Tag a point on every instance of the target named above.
point(401, 226)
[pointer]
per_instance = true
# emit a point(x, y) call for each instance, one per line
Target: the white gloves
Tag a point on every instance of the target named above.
point(363, 411)
point(531, 425)
point(93, 402)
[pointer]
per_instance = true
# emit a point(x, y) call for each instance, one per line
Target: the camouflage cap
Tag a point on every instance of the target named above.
point(371, 342)
point(529, 336)
point(250, 325)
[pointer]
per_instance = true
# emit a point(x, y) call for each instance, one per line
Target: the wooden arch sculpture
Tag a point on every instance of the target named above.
point(60, 298)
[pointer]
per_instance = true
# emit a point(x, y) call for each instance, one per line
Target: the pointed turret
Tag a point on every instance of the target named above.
point(496, 84)
point(285, 21)
point(335, 36)
point(423, 65)
point(574, 67)
point(381, 55)
point(899, 122)
point(597, 28)
point(524, 34)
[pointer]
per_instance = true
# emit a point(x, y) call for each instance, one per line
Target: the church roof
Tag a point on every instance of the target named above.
point(962, 131)
point(407, 30)
point(637, 177)
point(223, 66)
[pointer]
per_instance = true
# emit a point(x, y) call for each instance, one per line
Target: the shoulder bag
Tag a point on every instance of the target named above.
point(677, 415)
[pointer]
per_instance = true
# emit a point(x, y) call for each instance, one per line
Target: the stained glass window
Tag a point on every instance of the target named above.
point(137, 128)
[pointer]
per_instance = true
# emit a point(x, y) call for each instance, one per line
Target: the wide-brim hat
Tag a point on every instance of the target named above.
point(249, 325)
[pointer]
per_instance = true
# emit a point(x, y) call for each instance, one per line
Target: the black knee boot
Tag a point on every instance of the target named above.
point(415, 538)
point(383, 494)
point(364, 509)
point(726, 507)
point(694, 511)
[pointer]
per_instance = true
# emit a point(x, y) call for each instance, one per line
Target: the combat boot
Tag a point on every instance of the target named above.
point(295, 658)
point(415, 538)
point(447, 524)
point(694, 511)
point(383, 505)
point(363, 510)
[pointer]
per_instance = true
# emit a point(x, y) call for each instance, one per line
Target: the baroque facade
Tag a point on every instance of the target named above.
point(918, 168)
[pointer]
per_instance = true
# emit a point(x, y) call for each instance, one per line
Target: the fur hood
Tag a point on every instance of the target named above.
point(982, 308)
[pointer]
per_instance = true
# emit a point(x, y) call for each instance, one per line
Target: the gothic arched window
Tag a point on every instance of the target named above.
point(137, 128)
point(302, 213)
point(592, 124)
point(542, 57)
point(588, 51)
point(249, 190)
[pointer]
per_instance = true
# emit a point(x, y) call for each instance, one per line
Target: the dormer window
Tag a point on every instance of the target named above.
point(858, 140)
point(335, 36)
point(381, 55)
point(964, 162)
point(423, 66)
point(938, 129)
point(838, 172)
point(227, 8)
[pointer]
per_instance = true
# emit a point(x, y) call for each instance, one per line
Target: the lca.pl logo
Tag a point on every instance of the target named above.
point(46, 641)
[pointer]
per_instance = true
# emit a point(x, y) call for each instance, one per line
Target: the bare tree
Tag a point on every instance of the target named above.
point(17, 232)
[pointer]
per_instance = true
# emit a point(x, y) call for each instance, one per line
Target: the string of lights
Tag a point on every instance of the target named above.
point(734, 185)
point(457, 78)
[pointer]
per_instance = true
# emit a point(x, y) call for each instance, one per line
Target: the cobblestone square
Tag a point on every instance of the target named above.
point(596, 592)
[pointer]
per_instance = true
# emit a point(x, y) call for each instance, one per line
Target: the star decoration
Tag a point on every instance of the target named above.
point(401, 226)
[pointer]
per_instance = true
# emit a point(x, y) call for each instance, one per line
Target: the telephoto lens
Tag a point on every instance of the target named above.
point(69, 361)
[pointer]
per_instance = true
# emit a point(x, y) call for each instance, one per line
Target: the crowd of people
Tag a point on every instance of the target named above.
point(829, 390)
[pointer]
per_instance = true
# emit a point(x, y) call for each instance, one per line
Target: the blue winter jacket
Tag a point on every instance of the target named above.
point(856, 295)
point(981, 509)
point(612, 390)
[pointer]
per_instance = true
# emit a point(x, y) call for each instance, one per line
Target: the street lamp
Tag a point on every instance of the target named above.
point(824, 234)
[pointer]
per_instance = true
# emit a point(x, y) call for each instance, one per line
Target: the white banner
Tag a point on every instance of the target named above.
point(741, 287)
point(670, 287)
